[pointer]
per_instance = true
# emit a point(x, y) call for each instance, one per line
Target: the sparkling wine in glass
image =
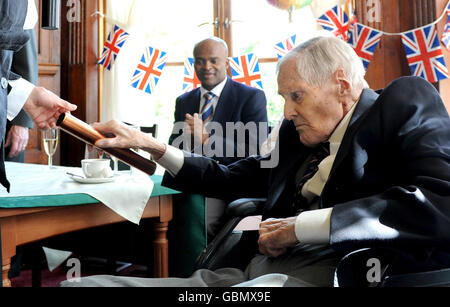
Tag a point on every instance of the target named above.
point(50, 141)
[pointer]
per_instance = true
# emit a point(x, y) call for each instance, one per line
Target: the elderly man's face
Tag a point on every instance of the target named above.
point(210, 63)
point(315, 112)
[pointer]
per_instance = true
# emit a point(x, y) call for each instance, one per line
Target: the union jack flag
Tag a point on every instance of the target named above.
point(149, 70)
point(113, 44)
point(283, 47)
point(335, 21)
point(245, 69)
point(364, 41)
point(190, 80)
point(446, 35)
point(424, 53)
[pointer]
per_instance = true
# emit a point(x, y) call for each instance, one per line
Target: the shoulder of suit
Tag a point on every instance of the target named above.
point(188, 95)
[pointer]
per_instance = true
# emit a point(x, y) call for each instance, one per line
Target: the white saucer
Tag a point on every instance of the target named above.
point(92, 180)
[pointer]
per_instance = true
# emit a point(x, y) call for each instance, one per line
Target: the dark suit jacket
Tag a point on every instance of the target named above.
point(237, 103)
point(25, 64)
point(390, 183)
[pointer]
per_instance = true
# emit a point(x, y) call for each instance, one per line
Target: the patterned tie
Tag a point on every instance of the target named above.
point(207, 109)
point(317, 155)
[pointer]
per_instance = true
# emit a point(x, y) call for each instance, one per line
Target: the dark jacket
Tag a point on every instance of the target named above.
point(237, 103)
point(390, 182)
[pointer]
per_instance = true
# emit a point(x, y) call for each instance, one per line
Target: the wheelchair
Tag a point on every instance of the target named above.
point(232, 248)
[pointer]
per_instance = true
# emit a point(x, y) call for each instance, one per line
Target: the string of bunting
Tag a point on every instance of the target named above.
point(422, 47)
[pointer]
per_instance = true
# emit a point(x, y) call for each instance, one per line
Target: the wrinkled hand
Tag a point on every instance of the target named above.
point(120, 135)
point(276, 235)
point(44, 107)
point(196, 127)
point(18, 139)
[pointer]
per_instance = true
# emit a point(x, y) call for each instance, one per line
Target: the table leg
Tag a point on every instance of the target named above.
point(5, 280)
point(161, 249)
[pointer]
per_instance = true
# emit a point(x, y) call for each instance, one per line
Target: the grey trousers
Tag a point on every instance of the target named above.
point(303, 266)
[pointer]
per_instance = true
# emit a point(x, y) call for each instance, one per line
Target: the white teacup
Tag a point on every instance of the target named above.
point(96, 168)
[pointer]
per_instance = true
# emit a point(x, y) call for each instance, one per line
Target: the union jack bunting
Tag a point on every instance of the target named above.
point(424, 53)
point(283, 47)
point(190, 80)
point(446, 35)
point(364, 41)
point(245, 69)
point(113, 44)
point(149, 70)
point(335, 21)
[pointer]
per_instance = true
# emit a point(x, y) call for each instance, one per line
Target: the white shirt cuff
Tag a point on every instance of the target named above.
point(172, 160)
point(21, 90)
point(313, 227)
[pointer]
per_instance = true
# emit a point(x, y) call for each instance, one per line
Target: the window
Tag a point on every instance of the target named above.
point(175, 26)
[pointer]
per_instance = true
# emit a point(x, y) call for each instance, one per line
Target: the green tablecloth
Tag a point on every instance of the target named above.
point(70, 199)
point(187, 230)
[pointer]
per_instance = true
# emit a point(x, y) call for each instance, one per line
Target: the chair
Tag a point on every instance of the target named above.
point(225, 250)
point(236, 248)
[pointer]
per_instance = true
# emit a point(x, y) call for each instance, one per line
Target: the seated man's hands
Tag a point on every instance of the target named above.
point(120, 135)
point(44, 107)
point(17, 138)
point(196, 127)
point(276, 235)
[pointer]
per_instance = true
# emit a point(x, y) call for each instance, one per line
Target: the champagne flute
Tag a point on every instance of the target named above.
point(115, 165)
point(50, 140)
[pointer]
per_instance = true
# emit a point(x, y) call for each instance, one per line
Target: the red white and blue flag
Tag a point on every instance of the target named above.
point(190, 81)
point(113, 44)
point(364, 41)
point(446, 35)
point(283, 47)
point(149, 69)
point(424, 53)
point(245, 69)
point(335, 21)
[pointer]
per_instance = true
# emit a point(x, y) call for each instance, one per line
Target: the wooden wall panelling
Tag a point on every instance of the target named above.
point(79, 74)
point(444, 85)
point(389, 61)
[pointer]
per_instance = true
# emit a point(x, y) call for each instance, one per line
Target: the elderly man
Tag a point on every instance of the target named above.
point(383, 182)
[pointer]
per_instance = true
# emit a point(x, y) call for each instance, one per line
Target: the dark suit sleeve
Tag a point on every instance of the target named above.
point(413, 126)
point(177, 118)
point(254, 110)
point(25, 64)
point(202, 175)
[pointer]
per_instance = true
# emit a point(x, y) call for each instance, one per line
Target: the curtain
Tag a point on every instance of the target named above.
point(120, 100)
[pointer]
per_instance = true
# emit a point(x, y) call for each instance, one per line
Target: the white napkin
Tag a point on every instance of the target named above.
point(127, 195)
point(55, 257)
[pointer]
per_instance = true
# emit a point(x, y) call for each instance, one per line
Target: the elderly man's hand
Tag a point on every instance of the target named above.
point(276, 235)
point(120, 135)
point(17, 138)
point(44, 107)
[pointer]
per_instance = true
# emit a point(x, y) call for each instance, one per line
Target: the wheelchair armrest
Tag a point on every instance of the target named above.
point(245, 206)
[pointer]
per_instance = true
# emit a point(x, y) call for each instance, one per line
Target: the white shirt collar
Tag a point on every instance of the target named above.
point(217, 90)
point(338, 133)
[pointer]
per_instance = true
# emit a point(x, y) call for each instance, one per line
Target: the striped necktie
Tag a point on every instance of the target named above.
point(207, 109)
point(317, 155)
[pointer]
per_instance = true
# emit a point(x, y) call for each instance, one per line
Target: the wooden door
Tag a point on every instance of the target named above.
point(49, 57)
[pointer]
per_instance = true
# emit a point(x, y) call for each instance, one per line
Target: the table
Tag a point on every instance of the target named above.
point(28, 219)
